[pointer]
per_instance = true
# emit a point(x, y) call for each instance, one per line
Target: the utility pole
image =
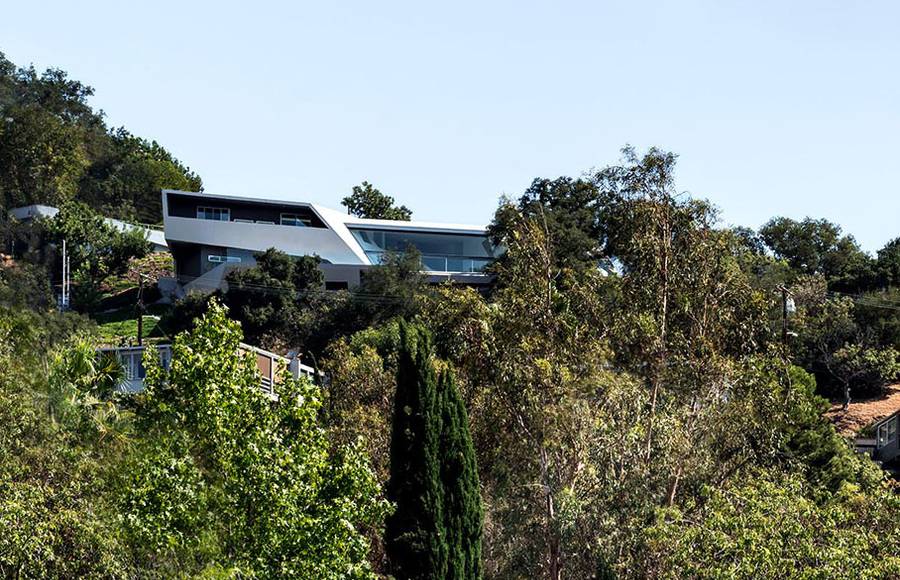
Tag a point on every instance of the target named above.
point(64, 297)
point(68, 280)
point(786, 309)
point(139, 307)
point(784, 313)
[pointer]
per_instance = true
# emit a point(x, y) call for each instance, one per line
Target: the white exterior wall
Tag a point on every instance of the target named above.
point(325, 243)
point(155, 237)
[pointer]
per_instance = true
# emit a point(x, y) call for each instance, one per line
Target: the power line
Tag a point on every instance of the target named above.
point(264, 288)
point(864, 297)
point(869, 301)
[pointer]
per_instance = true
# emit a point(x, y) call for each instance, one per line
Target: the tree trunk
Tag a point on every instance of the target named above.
point(673, 487)
point(553, 542)
point(660, 355)
point(554, 548)
point(653, 395)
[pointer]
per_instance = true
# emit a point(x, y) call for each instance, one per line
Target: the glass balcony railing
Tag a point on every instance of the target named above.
point(453, 264)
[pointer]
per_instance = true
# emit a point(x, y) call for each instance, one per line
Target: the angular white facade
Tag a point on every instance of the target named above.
point(209, 234)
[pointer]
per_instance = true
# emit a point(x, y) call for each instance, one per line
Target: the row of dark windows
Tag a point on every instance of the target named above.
point(223, 214)
point(200, 207)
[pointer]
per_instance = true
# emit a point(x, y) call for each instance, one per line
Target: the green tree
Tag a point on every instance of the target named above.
point(41, 157)
point(819, 247)
point(888, 264)
point(875, 313)
point(463, 512)
point(96, 249)
point(687, 309)
point(184, 312)
point(228, 475)
point(273, 298)
point(24, 285)
point(415, 534)
point(81, 386)
point(535, 367)
point(127, 173)
point(568, 209)
point(391, 289)
point(845, 356)
point(368, 202)
point(54, 147)
point(362, 373)
point(867, 369)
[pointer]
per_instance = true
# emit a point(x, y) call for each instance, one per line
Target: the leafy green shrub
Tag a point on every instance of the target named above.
point(24, 285)
point(228, 470)
point(54, 520)
point(768, 526)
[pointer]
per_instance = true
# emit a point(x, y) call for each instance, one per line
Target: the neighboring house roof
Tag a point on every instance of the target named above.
point(29, 212)
point(155, 235)
point(334, 217)
point(883, 420)
point(861, 414)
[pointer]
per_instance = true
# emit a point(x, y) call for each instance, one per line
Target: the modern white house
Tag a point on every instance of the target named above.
point(210, 234)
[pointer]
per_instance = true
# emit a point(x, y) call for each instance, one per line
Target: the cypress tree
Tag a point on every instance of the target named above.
point(435, 531)
point(463, 514)
point(415, 539)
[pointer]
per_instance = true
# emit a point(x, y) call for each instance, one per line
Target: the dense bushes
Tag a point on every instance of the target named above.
point(97, 249)
point(769, 525)
point(206, 475)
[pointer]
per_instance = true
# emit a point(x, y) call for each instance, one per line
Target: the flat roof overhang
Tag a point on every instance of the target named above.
point(330, 216)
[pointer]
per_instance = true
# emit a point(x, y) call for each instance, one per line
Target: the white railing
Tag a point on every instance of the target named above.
point(132, 360)
point(450, 264)
point(267, 363)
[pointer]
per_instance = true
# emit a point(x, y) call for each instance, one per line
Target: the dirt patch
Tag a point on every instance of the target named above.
point(7, 261)
point(864, 412)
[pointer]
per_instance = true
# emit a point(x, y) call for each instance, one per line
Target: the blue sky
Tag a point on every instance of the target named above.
point(775, 108)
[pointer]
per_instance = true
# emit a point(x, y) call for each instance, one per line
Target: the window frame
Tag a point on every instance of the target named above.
point(296, 217)
point(887, 433)
point(220, 259)
point(203, 210)
point(439, 250)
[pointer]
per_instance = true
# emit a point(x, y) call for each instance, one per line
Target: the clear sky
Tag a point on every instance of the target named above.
point(775, 107)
